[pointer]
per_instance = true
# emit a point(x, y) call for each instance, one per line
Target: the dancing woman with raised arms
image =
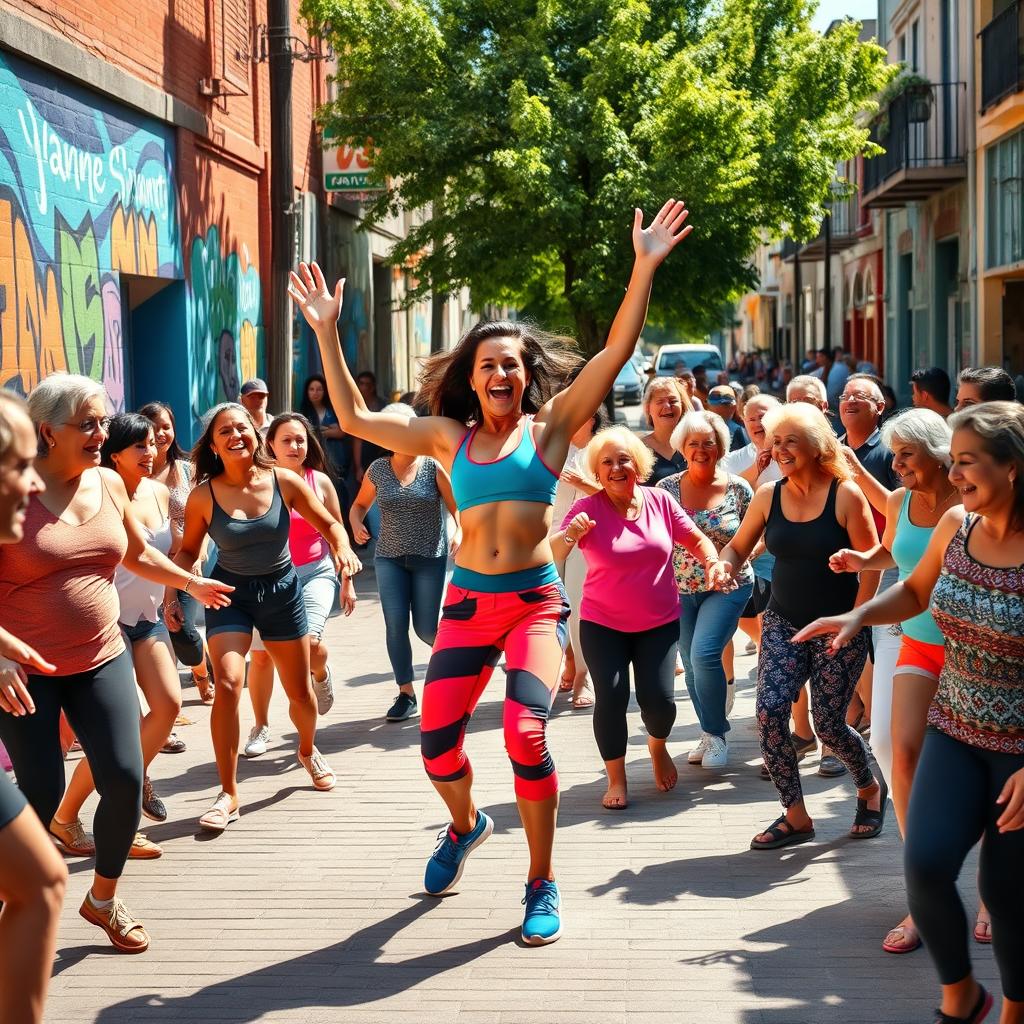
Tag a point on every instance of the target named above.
point(500, 424)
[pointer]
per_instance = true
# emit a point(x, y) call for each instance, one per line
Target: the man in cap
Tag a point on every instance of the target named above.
point(722, 400)
point(253, 396)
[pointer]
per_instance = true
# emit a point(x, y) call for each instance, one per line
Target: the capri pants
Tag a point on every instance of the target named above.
point(652, 653)
point(102, 707)
point(476, 626)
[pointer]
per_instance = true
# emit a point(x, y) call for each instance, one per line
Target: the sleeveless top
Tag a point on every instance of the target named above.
point(412, 518)
point(980, 610)
point(908, 547)
point(141, 599)
point(664, 468)
point(252, 547)
point(179, 494)
point(57, 586)
point(803, 586)
point(305, 542)
point(519, 476)
point(719, 524)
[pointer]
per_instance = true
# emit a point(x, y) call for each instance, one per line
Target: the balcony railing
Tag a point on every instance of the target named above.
point(845, 227)
point(1002, 55)
point(923, 132)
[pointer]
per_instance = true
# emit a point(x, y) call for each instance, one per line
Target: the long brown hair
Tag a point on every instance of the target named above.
point(548, 358)
point(207, 464)
point(316, 458)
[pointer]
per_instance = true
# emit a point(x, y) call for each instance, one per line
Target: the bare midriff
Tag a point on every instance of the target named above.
point(505, 536)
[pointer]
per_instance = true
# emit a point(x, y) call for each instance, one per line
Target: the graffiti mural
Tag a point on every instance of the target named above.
point(225, 321)
point(87, 194)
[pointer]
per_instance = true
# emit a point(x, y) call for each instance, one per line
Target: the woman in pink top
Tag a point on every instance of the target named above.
point(293, 443)
point(630, 608)
point(57, 593)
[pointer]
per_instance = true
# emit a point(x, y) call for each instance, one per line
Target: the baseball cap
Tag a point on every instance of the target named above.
point(255, 386)
point(722, 394)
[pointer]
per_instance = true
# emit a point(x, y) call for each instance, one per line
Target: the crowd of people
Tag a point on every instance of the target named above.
point(875, 561)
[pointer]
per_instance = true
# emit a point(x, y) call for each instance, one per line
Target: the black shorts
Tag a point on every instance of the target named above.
point(272, 604)
point(12, 802)
point(759, 598)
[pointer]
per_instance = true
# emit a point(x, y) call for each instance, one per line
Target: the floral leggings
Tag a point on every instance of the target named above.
point(782, 669)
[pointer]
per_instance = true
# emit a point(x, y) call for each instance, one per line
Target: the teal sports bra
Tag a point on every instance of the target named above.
point(908, 548)
point(522, 475)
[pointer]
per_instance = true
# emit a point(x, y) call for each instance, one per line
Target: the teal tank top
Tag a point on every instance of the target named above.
point(519, 476)
point(908, 548)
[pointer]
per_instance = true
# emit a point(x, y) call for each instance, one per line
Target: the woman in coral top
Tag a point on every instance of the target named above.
point(57, 592)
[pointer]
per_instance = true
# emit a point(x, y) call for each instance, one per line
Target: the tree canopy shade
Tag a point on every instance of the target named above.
point(532, 128)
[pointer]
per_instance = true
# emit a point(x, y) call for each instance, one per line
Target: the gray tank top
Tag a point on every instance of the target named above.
point(252, 547)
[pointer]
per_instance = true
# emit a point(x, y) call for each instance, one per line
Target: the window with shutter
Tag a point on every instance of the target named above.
point(234, 42)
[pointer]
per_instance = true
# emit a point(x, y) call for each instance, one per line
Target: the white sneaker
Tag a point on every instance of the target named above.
point(716, 755)
point(730, 696)
point(324, 691)
point(696, 755)
point(259, 736)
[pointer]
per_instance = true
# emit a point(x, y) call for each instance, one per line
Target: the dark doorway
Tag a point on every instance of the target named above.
point(946, 341)
point(382, 343)
point(1013, 328)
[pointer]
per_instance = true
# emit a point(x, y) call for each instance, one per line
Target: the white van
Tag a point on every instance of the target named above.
point(669, 356)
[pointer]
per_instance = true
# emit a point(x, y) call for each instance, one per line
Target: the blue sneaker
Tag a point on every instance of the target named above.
point(543, 922)
point(444, 869)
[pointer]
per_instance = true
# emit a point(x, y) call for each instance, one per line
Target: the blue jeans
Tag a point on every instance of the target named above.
point(707, 622)
point(408, 585)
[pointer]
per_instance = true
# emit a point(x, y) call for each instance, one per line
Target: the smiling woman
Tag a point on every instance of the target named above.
point(502, 417)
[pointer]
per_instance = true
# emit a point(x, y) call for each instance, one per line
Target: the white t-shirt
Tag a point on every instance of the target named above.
point(742, 459)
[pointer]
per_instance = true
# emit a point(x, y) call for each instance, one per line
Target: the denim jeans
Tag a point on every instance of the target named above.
point(410, 585)
point(707, 622)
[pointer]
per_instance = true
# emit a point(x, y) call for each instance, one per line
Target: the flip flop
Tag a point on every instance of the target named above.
point(892, 947)
point(220, 815)
point(985, 938)
point(564, 685)
point(783, 834)
point(864, 816)
point(584, 699)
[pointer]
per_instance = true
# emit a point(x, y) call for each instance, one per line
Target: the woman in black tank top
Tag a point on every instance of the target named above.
point(812, 512)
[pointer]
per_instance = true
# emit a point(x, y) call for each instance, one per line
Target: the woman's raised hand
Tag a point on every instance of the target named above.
point(210, 593)
point(667, 230)
point(579, 526)
point(309, 292)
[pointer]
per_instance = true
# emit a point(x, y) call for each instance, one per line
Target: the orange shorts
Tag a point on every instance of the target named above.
point(919, 658)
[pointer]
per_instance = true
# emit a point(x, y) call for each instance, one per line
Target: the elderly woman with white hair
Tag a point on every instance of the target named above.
point(716, 501)
point(76, 533)
point(412, 493)
point(919, 440)
point(630, 607)
point(802, 516)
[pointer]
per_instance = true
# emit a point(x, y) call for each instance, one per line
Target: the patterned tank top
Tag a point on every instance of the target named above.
point(980, 610)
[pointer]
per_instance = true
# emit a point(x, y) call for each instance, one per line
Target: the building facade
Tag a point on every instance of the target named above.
point(135, 208)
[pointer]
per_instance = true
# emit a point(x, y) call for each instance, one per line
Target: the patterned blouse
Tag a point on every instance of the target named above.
point(413, 517)
point(719, 524)
point(179, 493)
point(980, 610)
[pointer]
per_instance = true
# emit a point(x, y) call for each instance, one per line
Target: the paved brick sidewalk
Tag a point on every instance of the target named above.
point(309, 908)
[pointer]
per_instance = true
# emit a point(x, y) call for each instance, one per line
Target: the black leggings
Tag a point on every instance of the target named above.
point(103, 708)
point(608, 654)
point(952, 806)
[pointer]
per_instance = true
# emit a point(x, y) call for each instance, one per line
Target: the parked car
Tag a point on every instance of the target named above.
point(707, 356)
point(628, 385)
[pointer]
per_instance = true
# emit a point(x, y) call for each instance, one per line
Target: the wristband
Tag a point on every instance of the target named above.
point(571, 541)
point(192, 579)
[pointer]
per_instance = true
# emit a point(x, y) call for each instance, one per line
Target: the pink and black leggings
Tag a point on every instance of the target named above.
point(528, 622)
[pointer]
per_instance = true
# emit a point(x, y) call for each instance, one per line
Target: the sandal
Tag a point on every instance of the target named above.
point(977, 1014)
point(783, 834)
point(983, 929)
point(220, 815)
point(895, 945)
point(124, 932)
point(174, 745)
point(583, 699)
point(864, 816)
point(205, 684)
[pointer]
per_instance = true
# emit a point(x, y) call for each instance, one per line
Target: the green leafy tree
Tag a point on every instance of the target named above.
point(531, 128)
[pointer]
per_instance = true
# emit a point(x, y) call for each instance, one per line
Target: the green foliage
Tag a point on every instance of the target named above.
point(533, 127)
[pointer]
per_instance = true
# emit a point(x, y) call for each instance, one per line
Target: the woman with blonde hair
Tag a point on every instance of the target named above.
point(630, 607)
point(665, 402)
point(807, 515)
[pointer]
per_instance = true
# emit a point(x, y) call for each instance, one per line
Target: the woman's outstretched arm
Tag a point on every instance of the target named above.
point(571, 408)
point(422, 435)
